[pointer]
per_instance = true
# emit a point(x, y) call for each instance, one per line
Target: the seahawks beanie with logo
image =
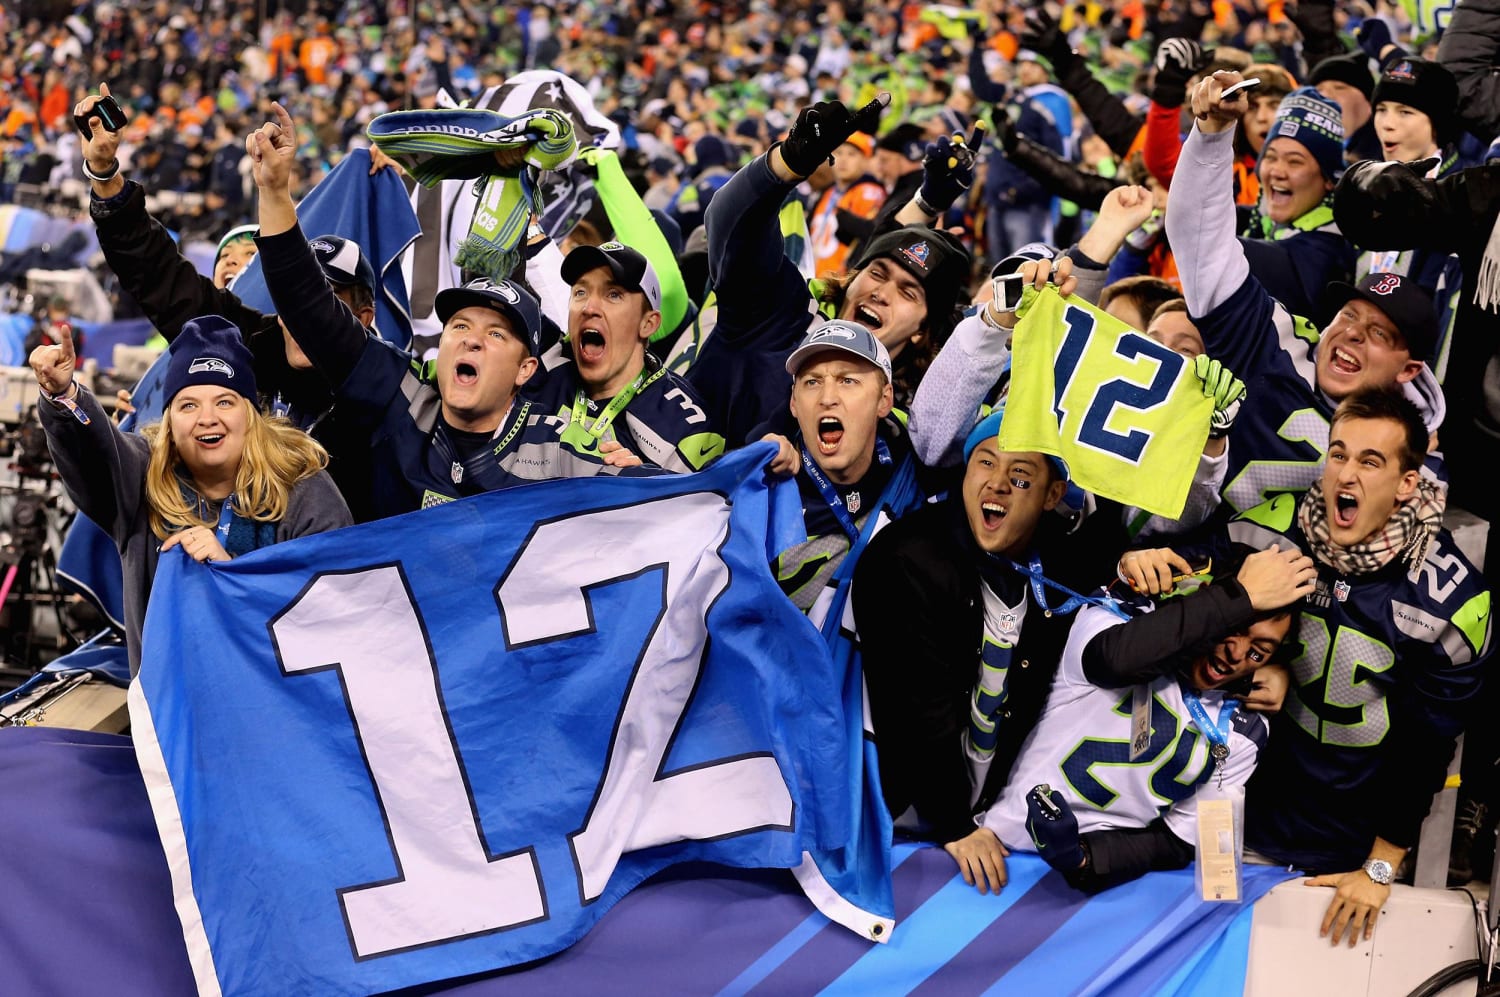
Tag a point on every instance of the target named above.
point(210, 350)
point(1308, 117)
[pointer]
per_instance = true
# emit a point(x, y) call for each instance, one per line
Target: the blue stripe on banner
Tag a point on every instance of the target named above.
point(1147, 968)
point(1081, 948)
point(1174, 921)
point(1029, 924)
point(794, 940)
point(835, 949)
point(935, 933)
point(1226, 959)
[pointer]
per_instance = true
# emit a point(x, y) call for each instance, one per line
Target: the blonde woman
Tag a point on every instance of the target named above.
point(215, 477)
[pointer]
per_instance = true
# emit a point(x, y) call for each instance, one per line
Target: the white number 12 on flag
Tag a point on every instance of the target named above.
point(366, 625)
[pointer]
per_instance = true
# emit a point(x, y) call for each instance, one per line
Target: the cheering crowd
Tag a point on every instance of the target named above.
point(657, 234)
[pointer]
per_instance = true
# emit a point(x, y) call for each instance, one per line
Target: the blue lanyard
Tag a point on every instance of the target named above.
point(1216, 733)
point(226, 516)
point(830, 494)
point(1040, 582)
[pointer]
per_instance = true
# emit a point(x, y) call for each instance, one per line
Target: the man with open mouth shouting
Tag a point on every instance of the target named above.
point(453, 428)
point(904, 287)
point(961, 632)
point(614, 392)
point(1395, 637)
point(852, 459)
point(1381, 336)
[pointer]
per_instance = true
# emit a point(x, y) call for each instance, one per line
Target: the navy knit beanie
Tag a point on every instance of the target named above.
point(1308, 117)
point(210, 350)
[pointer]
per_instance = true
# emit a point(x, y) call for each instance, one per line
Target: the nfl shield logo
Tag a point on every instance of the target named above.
point(917, 252)
point(852, 502)
point(1341, 591)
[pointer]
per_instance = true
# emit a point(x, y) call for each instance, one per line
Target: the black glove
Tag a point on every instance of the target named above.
point(976, 28)
point(1177, 61)
point(1004, 128)
point(1403, 183)
point(1373, 35)
point(1043, 36)
point(948, 171)
point(822, 128)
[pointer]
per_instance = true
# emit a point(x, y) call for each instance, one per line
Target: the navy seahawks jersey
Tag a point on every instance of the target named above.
point(1281, 436)
point(1391, 661)
point(419, 461)
point(665, 424)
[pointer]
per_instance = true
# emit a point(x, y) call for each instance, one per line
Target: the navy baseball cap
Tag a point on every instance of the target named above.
point(839, 334)
point(629, 266)
point(511, 300)
point(1402, 301)
point(343, 262)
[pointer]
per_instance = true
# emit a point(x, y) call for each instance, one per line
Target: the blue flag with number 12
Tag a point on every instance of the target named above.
point(448, 742)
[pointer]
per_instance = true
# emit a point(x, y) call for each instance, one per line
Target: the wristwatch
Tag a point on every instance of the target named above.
point(1379, 871)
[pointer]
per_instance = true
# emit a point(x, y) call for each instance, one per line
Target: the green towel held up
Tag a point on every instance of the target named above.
point(460, 144)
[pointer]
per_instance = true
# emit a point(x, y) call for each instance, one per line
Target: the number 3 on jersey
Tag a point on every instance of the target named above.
point(1117, 402)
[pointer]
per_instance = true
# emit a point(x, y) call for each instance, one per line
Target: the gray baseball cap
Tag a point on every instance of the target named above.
point(839, 334)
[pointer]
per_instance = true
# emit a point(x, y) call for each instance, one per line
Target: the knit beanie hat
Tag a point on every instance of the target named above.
point(1426, 86)
point(210, 350)
point(1353, 69)
point(936, 259)
point(1307, 117)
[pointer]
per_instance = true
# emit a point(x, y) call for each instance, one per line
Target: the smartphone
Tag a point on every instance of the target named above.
point(1243, 86)
point(107, 110)
point(1007, 291)
point(1195, 571)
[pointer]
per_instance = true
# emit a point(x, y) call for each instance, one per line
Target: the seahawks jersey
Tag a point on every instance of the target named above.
point(665, 423)
point(1390, 662)
point(1081, 746)
point(1281, 435)
point(420, 461)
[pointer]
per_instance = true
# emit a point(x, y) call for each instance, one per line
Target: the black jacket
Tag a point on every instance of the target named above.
point(171, 292)
point(1458, 216)
point(920, 617)
point(1470, 49)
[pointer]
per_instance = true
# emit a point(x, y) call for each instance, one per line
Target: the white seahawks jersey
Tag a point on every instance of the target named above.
point(1081, 748)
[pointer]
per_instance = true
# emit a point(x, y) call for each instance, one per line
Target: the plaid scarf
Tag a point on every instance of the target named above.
point(1405, 535)
point(460, 143)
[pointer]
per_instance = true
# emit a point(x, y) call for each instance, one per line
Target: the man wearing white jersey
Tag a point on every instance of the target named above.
point(1121, 808)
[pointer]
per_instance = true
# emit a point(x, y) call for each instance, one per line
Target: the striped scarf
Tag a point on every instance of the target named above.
point(1405, 536)
point(460, 143)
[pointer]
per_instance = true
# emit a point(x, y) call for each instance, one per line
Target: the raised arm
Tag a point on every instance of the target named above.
point(312, 314)
point(103, 469)
point(169, 289)
point(1200, 206)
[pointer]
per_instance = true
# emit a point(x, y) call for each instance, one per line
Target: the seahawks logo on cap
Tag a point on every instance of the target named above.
point(504, 289)
point(210, 365)
point(832, 330)
point(319, 246)
point(610, 247)
point(917, 252)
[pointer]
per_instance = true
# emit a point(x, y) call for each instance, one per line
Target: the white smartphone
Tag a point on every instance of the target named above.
point(1240, 87)
point(1007, 290)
